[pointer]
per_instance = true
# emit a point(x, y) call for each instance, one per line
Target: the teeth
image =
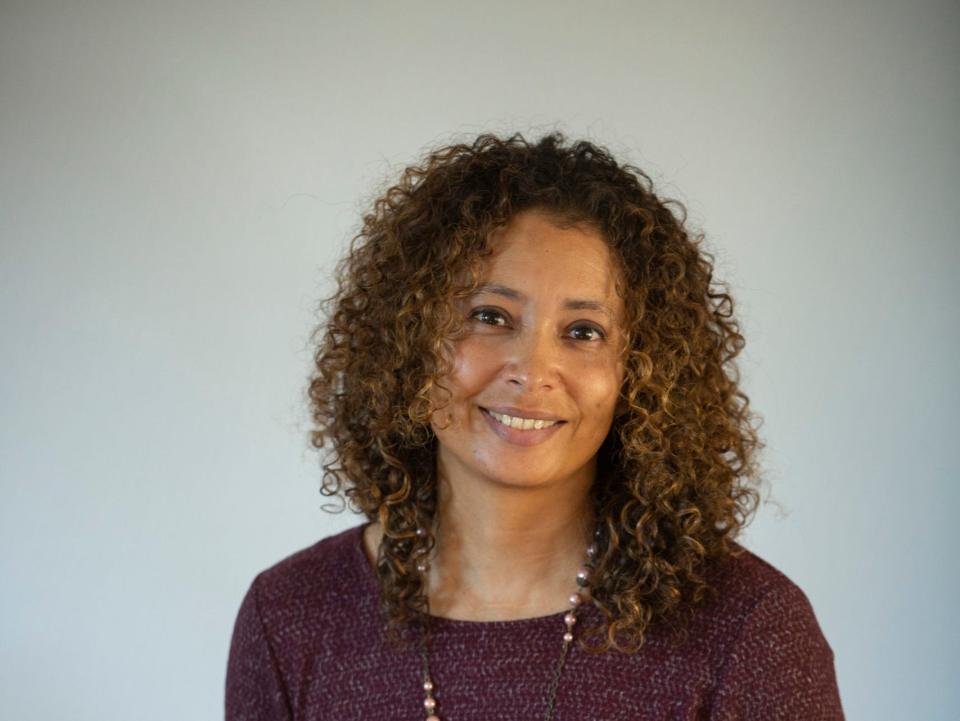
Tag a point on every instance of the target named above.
point(524, 424)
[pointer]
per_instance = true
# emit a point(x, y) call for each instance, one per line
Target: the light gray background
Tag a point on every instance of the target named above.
point(177, 179)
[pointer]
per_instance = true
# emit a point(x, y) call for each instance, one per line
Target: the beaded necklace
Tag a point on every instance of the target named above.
point(570, 619)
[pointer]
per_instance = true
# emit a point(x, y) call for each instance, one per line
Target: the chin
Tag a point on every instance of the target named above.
point(518, 478)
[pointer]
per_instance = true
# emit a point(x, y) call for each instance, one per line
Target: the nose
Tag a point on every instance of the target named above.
point(534, 363)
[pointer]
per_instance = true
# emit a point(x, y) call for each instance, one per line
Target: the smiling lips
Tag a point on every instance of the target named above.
point(522, 430)
point(525, 424)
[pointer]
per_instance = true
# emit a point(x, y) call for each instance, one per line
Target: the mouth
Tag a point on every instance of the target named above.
point(521, 430)
point(522, 423)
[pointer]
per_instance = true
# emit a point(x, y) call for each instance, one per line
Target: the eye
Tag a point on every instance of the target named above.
point(489, 316)
point(587, 332)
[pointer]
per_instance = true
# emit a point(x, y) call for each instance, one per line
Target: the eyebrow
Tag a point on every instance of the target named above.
point(568, 303)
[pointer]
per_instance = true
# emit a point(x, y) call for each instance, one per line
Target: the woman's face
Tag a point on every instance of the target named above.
point(537, 373)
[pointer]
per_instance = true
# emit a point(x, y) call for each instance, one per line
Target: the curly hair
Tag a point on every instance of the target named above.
point(675, 473)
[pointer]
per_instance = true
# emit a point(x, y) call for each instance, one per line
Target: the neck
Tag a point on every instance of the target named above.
point(507, 552)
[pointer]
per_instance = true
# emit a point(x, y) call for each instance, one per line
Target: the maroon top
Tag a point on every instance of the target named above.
point(307, 646)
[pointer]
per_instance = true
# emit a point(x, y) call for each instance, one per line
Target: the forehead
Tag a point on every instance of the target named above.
point(531, 249)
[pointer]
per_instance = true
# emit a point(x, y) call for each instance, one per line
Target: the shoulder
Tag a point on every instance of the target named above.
point(305, 565)
point(745, 581)
point(329, 577)
point(298, 614)
point(775, 661)
point(751, 601)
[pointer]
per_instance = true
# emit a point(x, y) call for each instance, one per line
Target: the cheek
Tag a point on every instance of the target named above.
point(474, 364)
point(473, 367)
point(601, 390)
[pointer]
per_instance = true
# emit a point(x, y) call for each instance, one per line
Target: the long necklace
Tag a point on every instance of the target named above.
point(569, 620)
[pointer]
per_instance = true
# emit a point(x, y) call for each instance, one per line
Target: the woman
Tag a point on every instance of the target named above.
point(526, 384)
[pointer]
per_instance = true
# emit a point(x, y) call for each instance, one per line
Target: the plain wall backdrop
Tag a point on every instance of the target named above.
point(177, 180)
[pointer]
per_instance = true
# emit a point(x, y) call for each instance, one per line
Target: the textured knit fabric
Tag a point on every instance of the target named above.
point(307, 646)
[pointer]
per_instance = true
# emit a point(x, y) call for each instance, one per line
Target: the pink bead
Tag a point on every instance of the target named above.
point(431, 717)
point(428, 686)
point(429, 704)
point(569, 619)
point(576, 599)
point(567, 637)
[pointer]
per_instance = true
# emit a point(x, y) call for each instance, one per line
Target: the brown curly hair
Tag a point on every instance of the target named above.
point(673, 486)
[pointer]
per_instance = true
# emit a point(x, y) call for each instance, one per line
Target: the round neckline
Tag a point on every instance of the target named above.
point(370, 579)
